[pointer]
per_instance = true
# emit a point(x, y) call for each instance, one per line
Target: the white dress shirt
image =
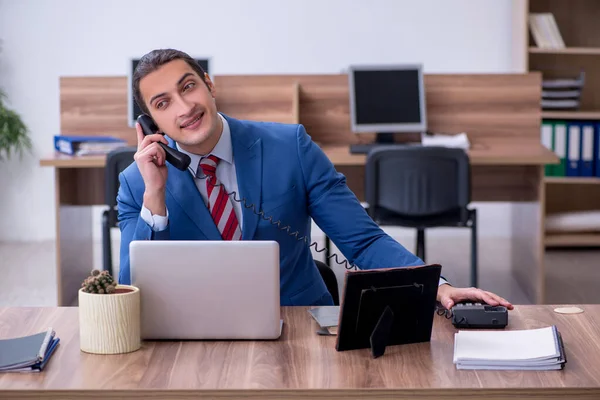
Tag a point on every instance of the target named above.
point(225, 174)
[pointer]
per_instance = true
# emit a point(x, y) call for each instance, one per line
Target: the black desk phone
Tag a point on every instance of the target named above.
point(176, 158)
point(479, 316)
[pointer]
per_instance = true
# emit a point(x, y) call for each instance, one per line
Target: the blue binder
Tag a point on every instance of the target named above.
point(84, 145)
point(586, 162)
point(573, 148)
point(597, 149)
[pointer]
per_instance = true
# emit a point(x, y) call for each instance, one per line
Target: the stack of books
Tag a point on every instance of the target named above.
point(28, 353)
point(545, 31)
point(562, 93)
point(532, 349)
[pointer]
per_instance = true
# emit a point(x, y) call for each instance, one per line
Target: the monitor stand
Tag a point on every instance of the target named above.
point(386, 139)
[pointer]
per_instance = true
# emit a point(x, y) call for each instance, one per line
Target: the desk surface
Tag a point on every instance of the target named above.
point(300, 364)
point(483, 153)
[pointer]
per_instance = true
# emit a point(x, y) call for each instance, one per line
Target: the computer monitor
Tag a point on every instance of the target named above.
point(133, 110)
point(387, 100)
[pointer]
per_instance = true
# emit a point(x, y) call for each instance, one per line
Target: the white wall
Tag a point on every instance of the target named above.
point(43, 40)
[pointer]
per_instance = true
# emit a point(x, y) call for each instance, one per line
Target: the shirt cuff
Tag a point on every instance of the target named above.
point(442, 282)
point(156, 222)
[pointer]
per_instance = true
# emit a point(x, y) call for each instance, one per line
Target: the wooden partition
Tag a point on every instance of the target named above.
point(275, 102)
point(95, 106)
point(504, 107)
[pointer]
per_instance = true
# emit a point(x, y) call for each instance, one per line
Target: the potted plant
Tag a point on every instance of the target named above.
point(109, 315)
point(14, 135)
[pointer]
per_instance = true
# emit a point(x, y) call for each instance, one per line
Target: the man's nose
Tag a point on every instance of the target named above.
point(184, 107)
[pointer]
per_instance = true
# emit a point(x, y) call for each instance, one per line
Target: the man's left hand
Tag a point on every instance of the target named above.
point(449, 296)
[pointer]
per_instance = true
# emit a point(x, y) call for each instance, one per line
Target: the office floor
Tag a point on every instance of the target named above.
point(28, 270)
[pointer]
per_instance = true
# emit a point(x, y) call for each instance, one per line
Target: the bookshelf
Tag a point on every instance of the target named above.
point(577, 22)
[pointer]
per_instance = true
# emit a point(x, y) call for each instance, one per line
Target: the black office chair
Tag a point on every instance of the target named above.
point(330, 281)
point(421, 187)
point(116, 161)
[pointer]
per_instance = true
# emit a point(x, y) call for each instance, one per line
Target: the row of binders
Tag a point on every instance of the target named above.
point(576, 143)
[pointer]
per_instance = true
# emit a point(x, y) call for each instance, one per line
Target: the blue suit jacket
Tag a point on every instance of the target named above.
point(283, 172)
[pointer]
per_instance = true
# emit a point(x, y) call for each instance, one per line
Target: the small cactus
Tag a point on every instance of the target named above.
point(100, 282)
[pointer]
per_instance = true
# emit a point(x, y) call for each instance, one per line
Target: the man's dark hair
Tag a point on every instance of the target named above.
point(153, 60)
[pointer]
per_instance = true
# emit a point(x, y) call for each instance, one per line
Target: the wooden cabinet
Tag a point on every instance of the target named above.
point(578, 22)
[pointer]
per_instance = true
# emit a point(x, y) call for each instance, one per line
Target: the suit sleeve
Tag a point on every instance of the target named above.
point(132, 226)
point(337, 211)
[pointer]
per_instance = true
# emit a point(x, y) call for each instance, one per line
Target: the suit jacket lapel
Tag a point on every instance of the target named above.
point(182, 187)
point(247, 156)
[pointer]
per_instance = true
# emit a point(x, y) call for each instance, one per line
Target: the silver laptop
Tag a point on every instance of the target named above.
point(207, 289)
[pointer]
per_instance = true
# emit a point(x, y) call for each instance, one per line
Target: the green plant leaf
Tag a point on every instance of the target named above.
point(14, 135)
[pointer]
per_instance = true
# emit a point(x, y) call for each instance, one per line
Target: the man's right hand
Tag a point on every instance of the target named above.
point(151, 161)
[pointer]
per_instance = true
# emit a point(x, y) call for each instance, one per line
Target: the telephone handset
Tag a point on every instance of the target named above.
point(182, 161)
point(178, 159)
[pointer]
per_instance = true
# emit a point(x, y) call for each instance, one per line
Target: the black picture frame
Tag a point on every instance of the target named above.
point(385, 307)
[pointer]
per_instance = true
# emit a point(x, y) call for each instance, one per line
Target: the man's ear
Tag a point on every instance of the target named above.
point(210, 85)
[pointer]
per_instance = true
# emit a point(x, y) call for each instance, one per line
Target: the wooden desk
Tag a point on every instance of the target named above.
point(301, 364)
point(499, 112)
point(500, 172)
point(481, 153)
point(496, 153)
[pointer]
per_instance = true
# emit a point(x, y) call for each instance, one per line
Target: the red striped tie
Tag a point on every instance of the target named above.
point(221, 208)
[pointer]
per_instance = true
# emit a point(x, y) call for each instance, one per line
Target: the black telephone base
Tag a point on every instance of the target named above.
point(479, 316)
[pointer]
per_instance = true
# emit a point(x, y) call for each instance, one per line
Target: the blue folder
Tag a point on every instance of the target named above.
point(573, 149)
point(597, 149)
point(85, 145)
point(586, 161)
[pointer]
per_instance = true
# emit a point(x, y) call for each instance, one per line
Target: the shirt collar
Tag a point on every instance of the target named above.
point(223, 149)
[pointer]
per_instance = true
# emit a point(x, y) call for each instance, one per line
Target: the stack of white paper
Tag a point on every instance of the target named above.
point(533, 349)
point(460, 140)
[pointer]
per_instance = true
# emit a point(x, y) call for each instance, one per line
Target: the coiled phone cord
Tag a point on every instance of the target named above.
point(444, 312)
point(278, 223)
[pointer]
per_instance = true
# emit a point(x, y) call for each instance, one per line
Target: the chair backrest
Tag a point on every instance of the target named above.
point(330, 281)
point(116, 161)
point(417, 181)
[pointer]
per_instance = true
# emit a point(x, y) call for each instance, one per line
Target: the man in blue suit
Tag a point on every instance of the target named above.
point(275, 167)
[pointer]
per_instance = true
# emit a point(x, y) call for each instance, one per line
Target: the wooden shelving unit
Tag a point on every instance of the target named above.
point(567, 50)
point(583, 239)
point(571, 194)
point(572, 180)
point(578, 24)
point(578, 115)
